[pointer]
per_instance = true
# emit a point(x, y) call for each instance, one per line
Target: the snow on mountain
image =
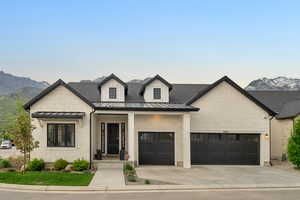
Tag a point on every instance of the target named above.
point(279, 83)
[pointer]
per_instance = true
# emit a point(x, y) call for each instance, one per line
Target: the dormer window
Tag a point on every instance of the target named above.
point(112, 89)
point(112, 93)
point(156, 90)
point(156, 93)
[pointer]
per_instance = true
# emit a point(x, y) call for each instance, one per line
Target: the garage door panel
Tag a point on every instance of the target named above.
point(219, 148)
point(156, 148)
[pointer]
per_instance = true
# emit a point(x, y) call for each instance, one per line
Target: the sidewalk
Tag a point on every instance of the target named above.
point(108, 175)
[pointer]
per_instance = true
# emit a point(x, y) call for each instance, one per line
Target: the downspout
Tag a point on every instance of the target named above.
point(91, 158)
point(270, 133)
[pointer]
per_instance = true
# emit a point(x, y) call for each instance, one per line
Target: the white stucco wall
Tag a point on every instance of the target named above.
point(160, 123)
point(148, 94)
point(114, 84)
point(281, 130)
point(61, 99)
point(224, 109)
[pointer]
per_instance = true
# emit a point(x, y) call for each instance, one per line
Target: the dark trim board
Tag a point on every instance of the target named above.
point(225, 149)
point(112, 76)
point(156, 148)
point(157, 77)
point(236, 86)
point(53, 87)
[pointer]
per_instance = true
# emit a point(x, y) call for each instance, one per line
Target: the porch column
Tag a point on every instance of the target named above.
point(186, 140)
point(131, 142)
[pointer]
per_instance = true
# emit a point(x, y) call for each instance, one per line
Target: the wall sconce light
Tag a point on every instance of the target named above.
point(266, 136)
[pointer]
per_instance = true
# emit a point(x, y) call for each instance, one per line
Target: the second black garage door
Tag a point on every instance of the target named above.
point(156, 148)
point(225, 149)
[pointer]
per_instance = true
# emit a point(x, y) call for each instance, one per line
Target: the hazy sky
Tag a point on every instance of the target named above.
point(184, 41)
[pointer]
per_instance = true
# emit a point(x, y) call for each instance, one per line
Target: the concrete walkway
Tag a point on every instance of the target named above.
point(108, 175)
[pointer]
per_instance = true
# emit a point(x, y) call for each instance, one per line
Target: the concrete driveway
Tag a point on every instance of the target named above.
point(220, 175)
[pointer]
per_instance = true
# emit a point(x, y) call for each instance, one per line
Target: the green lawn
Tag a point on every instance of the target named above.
point(46, 178)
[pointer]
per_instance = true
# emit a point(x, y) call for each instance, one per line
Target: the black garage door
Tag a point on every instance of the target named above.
point(156, 148)
point(225, 149)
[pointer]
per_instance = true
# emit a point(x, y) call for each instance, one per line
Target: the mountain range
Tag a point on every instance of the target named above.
point(10, 84)
point(279, 83)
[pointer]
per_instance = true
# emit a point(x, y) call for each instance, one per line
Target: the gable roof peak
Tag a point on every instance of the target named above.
point(234, 85)
point(52, 87)
point(113, 76)
point(156, 77)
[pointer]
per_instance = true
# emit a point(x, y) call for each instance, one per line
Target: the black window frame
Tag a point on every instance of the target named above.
point(112, 93)
point(155, 90)
point(58, 124)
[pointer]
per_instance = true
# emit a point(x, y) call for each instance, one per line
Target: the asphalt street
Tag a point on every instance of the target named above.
point(261, 194)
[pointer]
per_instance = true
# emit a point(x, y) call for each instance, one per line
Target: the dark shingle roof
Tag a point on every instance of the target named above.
point(285, 103)
point(290, 110)
point(275, 99)
point(178, 95)
point(87, 89)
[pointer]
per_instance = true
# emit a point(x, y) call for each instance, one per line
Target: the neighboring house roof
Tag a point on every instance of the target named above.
point(236, 86)
point(285, 103)
point(144, 107)
point(53, 87)
point(157, 77)
point(290, 110)
point(58, 115)
point(112, 76)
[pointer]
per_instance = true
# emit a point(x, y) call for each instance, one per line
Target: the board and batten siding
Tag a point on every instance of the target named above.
point(148, 94)
point(225, 110)
point(62, 100)
point(112, 83)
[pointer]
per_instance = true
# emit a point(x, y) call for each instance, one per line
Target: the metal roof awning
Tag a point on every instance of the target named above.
point(58, 115)
point(145, 107)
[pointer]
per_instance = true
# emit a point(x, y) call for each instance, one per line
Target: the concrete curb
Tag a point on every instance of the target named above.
point(141, 188)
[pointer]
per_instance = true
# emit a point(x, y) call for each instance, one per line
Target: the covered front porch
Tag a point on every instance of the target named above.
point(148, 138)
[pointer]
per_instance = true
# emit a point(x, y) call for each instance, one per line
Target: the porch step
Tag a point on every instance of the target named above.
point(104, 164)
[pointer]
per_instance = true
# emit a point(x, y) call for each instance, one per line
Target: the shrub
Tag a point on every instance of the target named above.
point(294, 145)
point(131, 178)
point(4, 163)
point(147, 182)
point(60, 164)
point(80, 165)
point(16, 161)
point(36, 165)
point(128, 167)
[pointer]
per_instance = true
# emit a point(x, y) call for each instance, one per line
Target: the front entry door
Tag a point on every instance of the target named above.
point(112, 138)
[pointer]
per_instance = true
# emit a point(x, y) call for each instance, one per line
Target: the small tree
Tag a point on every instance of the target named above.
point(22, 132)
point(294, 145)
